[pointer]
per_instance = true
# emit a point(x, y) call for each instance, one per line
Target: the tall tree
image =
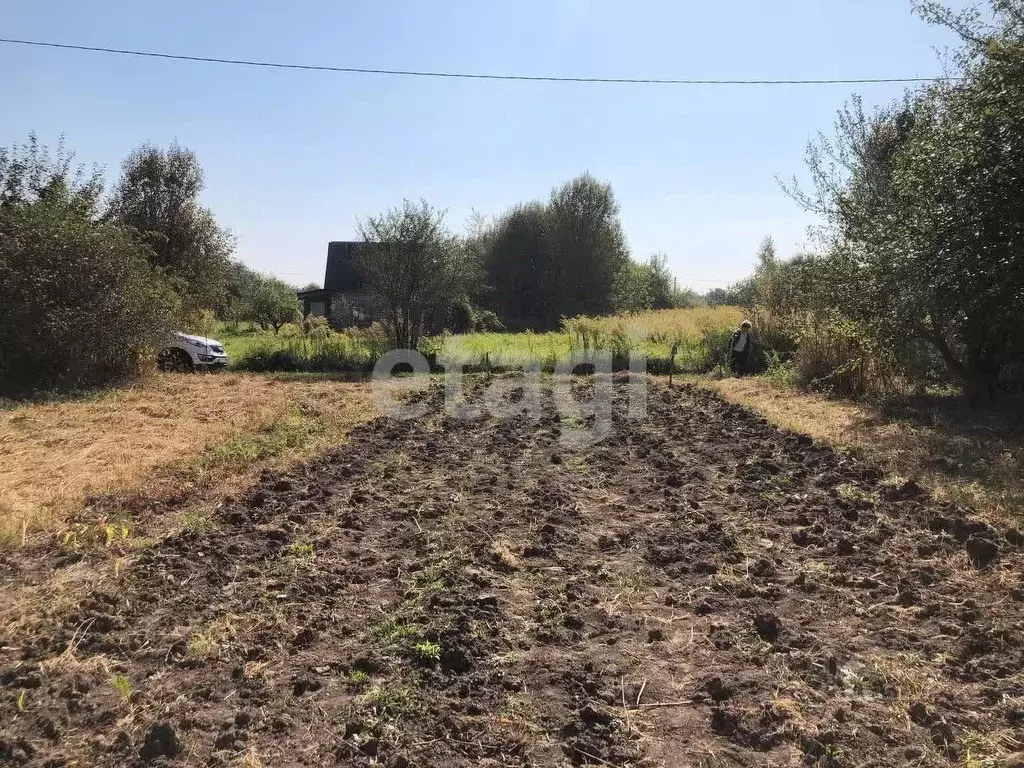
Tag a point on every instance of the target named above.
point(588, 245)
point(414, 268)
point(926, 214)
point(158, 195)
point(520, 271)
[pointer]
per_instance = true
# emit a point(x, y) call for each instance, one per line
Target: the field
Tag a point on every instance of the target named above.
point(699, 589)
point(699, 332)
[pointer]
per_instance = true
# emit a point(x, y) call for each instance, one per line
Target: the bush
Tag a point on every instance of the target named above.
point(321, 351)
point(82, 306)
point(839, 358)
point(486, 321)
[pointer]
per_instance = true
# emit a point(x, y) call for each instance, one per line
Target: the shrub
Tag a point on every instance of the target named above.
point(839, 358)
point(82, 306)
point(486, 321)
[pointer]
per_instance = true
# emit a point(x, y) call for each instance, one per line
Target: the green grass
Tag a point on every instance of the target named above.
point(295, 430)
point(701, 335)
point(239, 338)
point(504, 349)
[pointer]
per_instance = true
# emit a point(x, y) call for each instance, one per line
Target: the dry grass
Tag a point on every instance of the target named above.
point(977, 461)
point(661, 325)
point(54, 455)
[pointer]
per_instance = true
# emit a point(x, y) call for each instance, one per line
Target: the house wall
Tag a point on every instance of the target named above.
point(351, 309)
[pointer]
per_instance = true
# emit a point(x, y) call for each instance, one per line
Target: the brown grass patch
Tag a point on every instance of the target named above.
point(54, 455)
point(975, 458)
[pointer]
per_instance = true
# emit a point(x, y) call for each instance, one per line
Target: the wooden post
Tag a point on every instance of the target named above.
point(672, 362)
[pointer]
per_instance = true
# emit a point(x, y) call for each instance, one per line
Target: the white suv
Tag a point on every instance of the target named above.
point(183, 352)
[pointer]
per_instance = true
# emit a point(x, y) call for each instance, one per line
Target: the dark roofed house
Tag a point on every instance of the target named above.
point(343, 300)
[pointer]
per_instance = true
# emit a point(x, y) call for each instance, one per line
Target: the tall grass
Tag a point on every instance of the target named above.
point(701, 334)
point(503, 350)
point(321, 351)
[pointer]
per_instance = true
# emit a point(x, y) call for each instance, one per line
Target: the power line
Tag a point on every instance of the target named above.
point(470, 75)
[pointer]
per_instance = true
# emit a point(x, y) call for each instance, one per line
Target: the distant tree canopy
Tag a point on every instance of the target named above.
point(534, 265)
point(158, 195)
point(642, 286)
point(546, 261)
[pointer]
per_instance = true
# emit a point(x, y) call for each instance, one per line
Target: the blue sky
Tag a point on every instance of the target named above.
point(294, 158)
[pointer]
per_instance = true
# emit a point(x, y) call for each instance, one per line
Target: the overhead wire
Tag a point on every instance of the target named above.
point(470, 75)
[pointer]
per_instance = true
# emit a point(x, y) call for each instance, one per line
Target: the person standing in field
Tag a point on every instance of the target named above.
point(740, 345)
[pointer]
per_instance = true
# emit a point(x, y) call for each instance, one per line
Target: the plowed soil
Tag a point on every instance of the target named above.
point(699, 589)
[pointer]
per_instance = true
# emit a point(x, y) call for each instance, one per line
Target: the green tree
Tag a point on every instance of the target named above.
point(521, 278)
point(273, 303)
point(414, 268)
point(924, 209)
point(661, 285)
point(631, 291)
point(568, 257)
point(235, 301)
point(647, 285)
point(80, 303)
point(587, 244)
point(158, 195)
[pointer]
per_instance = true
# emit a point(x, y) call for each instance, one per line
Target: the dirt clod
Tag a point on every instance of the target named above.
point(982, 550)
point(161, 741)
point(769, 627)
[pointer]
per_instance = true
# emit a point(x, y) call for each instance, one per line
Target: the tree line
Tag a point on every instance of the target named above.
point(527, 269)
point(90, 280)
point(918, 276)
point(93, 281)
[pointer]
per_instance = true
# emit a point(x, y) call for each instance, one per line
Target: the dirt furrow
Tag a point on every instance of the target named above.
point(697, 589)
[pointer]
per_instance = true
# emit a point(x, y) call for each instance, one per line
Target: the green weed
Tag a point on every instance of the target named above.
point(394, 629)
point(428, 652)
point(123, 686)
point(389, 703)
point(302, 551)
point(849, 492)
point(357, 678)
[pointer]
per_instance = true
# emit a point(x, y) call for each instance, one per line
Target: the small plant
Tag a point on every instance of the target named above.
point(833, 755)
point(393, 629)
point(302, 551)
point(388, 703)
point(358, 678)
point(850, 492)
point(98, 532)
point(428, 652)
point(197, 522)
point(123, 686)
point(206, 643)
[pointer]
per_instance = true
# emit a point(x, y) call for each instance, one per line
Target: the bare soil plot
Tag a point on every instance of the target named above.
point(962, 454)
point(701, 589)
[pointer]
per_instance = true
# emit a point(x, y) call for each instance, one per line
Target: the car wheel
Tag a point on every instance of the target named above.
point(174, 360)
